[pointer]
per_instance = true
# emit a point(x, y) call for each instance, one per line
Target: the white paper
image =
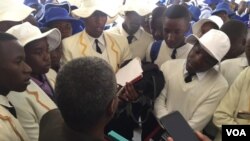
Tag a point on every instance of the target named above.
point(129, 72)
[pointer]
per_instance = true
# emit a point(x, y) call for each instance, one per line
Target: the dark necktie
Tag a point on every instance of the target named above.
point(188, 78)
point(130, 38)
point(173, 55)
point(11, 110)
point(98, 49)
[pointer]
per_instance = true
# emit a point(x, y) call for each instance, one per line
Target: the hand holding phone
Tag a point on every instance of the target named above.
point(178, 128)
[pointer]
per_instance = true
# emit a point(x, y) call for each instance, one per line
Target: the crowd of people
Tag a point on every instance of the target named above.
point(58, 61)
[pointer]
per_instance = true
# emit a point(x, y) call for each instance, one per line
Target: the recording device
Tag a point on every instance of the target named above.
point(177, 127)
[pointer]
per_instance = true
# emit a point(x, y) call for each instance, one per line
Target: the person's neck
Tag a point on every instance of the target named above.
point(4, 91)
point(93, 36)
point(130, 32)
point(179, 46)
point(97, 131)
point(37, 76)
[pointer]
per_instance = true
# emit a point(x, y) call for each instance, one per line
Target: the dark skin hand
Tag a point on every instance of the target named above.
point(128, 93)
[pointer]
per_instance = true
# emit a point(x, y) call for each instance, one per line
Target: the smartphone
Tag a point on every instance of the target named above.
point(178, 128)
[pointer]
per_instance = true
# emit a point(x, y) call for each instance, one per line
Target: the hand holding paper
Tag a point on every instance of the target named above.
point(130, 73)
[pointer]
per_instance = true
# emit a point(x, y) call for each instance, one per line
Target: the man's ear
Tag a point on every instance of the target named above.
point(112, 107)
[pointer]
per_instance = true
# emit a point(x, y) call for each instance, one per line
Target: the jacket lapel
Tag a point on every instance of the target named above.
point(33, 90)
point(85, 44)
point(113, 51)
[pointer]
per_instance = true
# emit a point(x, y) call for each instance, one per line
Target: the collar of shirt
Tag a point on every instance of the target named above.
point(200, 75)
point(38, 82)
point(4, 101)
point(101, 41)
point(243, 62)
point(137, 34)
point(242, 14)
point(181, 50)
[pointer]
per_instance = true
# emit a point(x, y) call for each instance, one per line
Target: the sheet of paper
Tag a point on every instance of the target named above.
point(129, 72)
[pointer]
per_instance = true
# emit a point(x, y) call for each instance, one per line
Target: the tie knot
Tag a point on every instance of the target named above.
point(189, 77)
point(96, 41)
point(130, 38)
point(173, 55)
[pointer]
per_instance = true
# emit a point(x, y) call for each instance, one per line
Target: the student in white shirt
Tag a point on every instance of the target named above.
point(138, 39)
point(235, 102)
point(94, 41)
point(176, 22)
point(193, 87)
point(237, 33)
point(14, 76)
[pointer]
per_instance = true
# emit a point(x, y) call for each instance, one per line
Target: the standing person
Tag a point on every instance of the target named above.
point(94, 105)
point(176, 20)
point(38, 98)
point(242, 11)
point(94, 41)
point(55, 55)
point(14, 76)
point(193, 87)
point(207, 8)
point(237, 33)
point(57, 17)
point(156, 23)
point(137, 38)
point(204, 25)
point(223, 11)
point(235, 102)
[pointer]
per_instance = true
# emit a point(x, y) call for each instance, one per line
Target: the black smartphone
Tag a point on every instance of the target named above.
point(177, 127)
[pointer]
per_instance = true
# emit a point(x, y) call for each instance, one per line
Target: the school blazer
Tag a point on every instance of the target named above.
point(139, 46)
point(10, 128)
point(79, 45)
point(31, 105)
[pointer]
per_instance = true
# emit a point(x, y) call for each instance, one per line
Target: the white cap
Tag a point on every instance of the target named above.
point(13, 10)
point(214, 19)
point(214, 42)
point(88, 7)
point(26, 33)
point(141, 7)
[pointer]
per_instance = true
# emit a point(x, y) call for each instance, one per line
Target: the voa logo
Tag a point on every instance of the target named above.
point(236, 132)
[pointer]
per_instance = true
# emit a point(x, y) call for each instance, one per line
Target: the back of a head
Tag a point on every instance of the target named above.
point(176, 12)
point(84, 88)
point(234, 28)
point(158, 12)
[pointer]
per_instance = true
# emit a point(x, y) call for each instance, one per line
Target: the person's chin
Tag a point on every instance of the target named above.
point(23, 87)
point(189, 67)
point(45, 70)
